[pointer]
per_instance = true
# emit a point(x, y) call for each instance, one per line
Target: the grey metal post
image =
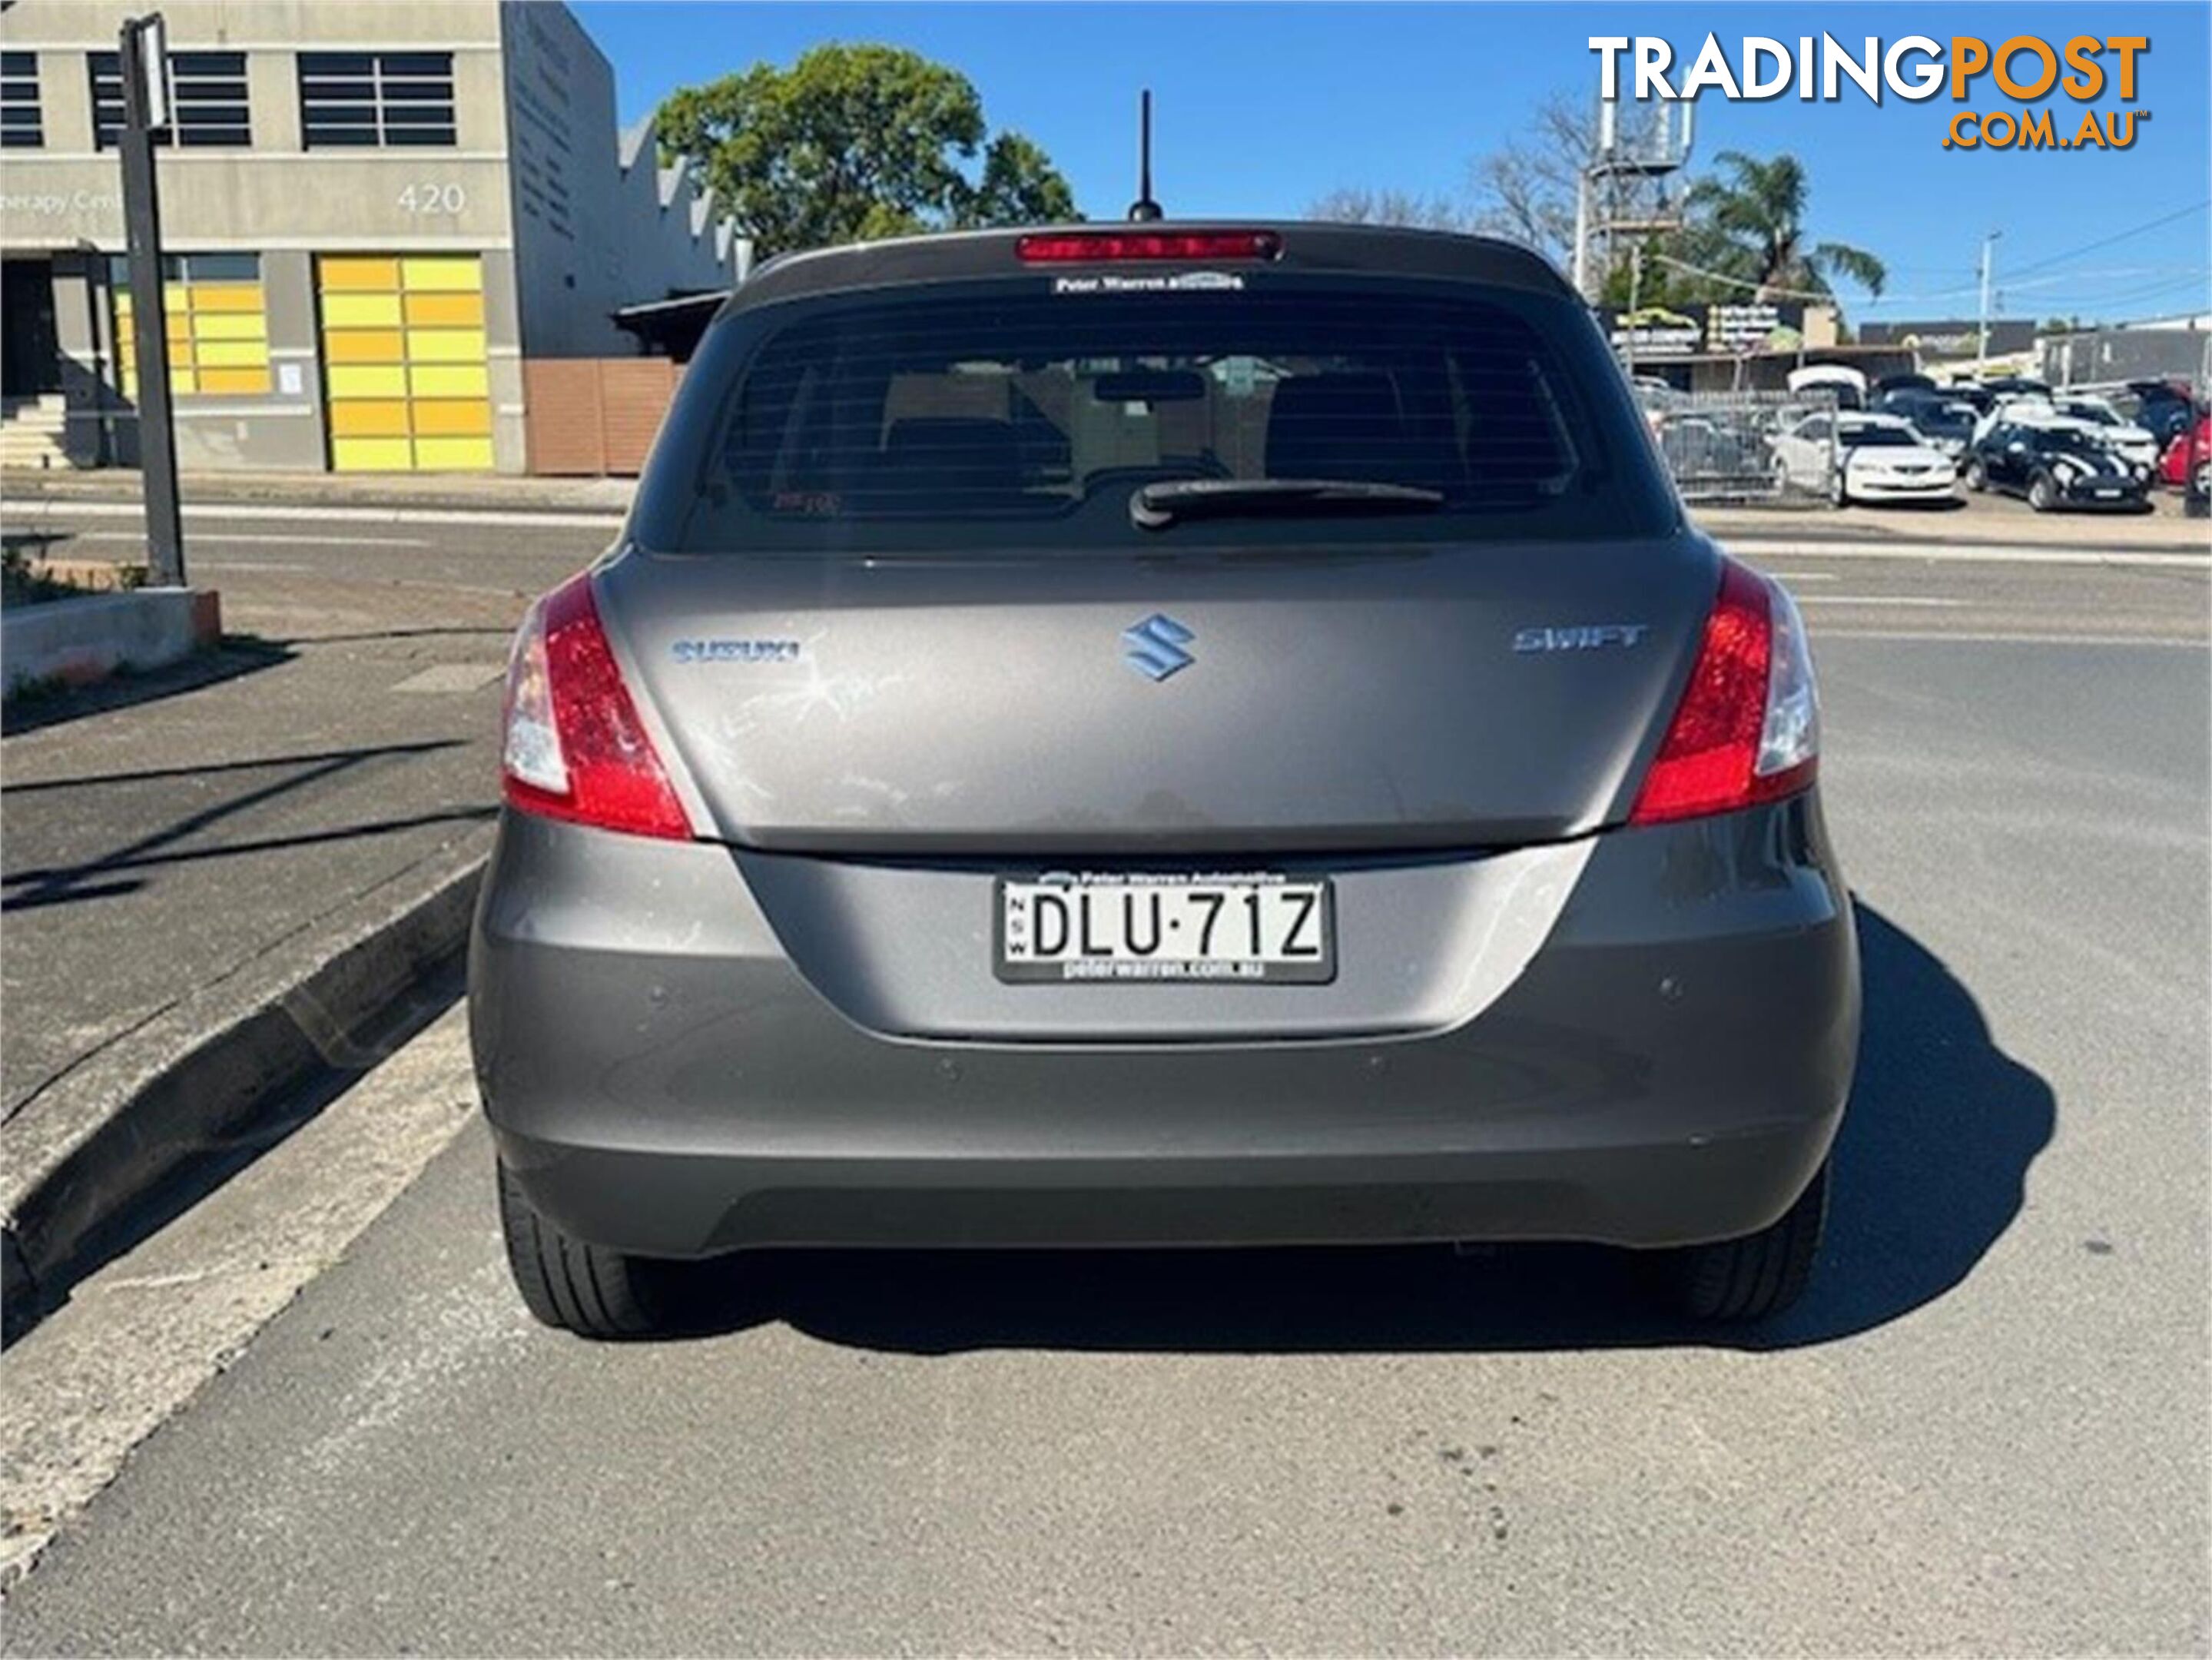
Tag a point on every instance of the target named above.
point(1581, 235)
point(1982, 346)
point(142, 224)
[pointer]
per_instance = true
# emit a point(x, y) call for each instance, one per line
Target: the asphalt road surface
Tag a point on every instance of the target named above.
point(1983, 1431)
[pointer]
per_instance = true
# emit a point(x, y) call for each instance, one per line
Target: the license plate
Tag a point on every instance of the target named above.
point(2109, 496)
point(1244, 928)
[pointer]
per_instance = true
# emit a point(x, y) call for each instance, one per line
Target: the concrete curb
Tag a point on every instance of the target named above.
point(208, 1072)
point(77, 641)
point(1778, 526)
point(210, 492)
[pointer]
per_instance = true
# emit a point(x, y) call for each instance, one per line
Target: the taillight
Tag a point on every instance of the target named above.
point(1067, 246)
point(574, 746)
point(1748, 728)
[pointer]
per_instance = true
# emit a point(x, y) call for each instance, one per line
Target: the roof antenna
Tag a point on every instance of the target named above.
point(1143, 208)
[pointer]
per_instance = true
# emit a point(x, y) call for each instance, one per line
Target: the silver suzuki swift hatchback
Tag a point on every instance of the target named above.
point(1160, 735)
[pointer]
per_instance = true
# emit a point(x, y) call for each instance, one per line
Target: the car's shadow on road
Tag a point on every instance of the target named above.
point(1930, 1173)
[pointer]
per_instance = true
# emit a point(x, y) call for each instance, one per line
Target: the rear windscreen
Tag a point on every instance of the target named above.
point(999, 418)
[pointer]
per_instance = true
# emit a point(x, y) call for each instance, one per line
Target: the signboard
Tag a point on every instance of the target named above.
point(1656, 332)
point(1741, 328)
point(1735, 329)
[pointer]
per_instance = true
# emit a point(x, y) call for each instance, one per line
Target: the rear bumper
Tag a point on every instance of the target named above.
point(1669, 1067)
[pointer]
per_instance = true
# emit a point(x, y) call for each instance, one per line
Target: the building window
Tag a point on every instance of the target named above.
point(218, 324)
point(207, 99)
point(373, 98)
point(20, 127)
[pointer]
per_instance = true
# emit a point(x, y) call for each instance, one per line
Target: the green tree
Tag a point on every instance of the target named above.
point(1748, 222)
point(852, 143)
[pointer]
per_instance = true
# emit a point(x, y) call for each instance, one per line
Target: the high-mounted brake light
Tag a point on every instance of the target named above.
point(574, 746)
point(1748, 728)
point(1096, 248)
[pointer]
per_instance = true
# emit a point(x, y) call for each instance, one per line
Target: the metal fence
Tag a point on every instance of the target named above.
point(1742, 447)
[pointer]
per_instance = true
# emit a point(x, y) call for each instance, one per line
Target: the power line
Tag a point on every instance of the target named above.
point(2012, 278)
point(1741, 282)
point(2135, 296)
point(2117, 236)
point(2191, 273)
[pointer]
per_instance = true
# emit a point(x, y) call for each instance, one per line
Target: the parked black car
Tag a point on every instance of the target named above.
point(1902, 382)
point(2054, 467)
point(2161, 408)
point(2025, 384)
point(1947, 422)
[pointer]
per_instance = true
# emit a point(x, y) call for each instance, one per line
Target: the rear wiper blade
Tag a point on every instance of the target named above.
point(1156, 506)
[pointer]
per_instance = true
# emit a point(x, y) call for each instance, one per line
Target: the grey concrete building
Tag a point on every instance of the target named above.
point(2177, 349)
point(377, 212)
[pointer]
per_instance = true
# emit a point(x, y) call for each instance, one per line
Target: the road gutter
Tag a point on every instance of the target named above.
point(143, 1335)
point(215, 1072)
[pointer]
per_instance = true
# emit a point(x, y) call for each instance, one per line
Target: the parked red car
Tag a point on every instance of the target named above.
point(2189, 456)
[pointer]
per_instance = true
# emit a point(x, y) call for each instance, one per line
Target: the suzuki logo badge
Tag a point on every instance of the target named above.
point(1154, 648)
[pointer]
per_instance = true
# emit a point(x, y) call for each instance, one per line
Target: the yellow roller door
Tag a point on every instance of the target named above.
point(404, 364)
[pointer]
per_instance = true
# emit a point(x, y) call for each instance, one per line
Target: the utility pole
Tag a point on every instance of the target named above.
point(1635, 299)
point(145, 57)
point(1988, 260)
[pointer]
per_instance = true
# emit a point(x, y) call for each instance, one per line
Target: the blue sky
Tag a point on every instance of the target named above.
point(1260, 107)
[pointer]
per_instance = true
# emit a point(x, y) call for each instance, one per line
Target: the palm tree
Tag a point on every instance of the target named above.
point(1750, 223)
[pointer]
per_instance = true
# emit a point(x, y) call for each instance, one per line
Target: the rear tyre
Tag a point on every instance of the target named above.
point(1758, 1275)
point(573, 1285)
point(1977, 480)
point(2042, 493)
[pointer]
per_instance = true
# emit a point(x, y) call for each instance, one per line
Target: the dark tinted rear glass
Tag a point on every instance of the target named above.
point(1005, 417)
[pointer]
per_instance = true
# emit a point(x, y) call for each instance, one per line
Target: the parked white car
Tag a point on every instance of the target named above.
point(1847, 384)
point(1862, 458)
